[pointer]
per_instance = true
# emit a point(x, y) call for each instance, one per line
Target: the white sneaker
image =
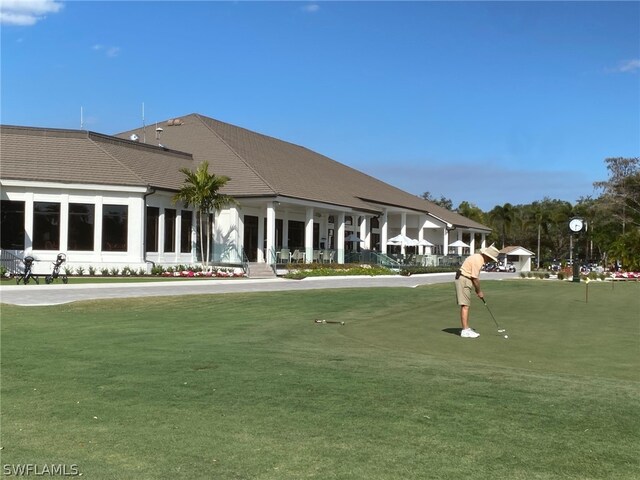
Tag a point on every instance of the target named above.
point(469, 333)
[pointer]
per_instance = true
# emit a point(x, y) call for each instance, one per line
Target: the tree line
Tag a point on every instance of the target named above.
point(613, 221)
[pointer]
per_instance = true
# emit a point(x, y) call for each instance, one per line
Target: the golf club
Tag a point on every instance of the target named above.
point(500, 330)
point(329, 321)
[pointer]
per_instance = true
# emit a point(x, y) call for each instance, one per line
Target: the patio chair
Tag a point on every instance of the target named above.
point(283, 256)
point(327, 256)
point(316, 256)
point(297, 256)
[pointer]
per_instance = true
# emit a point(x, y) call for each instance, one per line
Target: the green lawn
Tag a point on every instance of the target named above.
point(246, 386)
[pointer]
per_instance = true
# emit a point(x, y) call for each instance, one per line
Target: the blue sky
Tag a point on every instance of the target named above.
point(488, 102)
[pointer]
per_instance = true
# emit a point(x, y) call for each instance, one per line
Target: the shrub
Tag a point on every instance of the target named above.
point(560, 275)
point(115, 271)
point(303, 270)
point(142, 271)
point(92, 270)
point(80, 270)
point(104, 271)
point(411, 270)
point(3, 271)
point(68, 271)
point(157, 270)
point(523, 275)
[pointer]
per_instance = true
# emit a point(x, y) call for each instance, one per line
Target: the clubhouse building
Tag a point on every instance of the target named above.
point(106, 201)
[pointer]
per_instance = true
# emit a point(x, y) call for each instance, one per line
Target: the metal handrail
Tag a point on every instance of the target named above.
point(245, 262)
point(11, 262)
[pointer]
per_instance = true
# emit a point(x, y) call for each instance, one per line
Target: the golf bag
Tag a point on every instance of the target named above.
point(27, 274)
point(61, 258)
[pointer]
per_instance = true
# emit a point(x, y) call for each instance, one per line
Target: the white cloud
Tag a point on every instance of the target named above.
point(26, 12)
point(113, 51)
point(311, 8)
point(108, 51)
point(629, 66)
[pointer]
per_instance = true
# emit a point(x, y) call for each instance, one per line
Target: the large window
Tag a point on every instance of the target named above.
point(153, 215)
point(46, 226)
point(186, 218)
point(81, 226)
point(12, 225)
point(296, 234)
point(169, 230)
point(114, 228)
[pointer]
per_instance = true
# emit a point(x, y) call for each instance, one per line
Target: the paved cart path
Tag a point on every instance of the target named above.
point(55, 294)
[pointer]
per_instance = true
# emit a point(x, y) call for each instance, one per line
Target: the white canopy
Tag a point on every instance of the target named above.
point(458, 243)
point(402, 240)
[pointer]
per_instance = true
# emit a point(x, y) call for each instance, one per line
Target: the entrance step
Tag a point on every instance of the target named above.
point(260, 270)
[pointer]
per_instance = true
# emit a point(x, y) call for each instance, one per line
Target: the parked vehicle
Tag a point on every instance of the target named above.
point(490, 267)
point(509, 267)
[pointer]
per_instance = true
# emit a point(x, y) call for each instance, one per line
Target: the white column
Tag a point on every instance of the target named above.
point(445, 248)
point(261, 240)
point(421, 223)
point(194, 235)
point(271, 234)
point(136, 242)
point(472, 243)
point(364, 233)
point(308, 236)
point(340, 237)
point(28, 223)
point(97, 225)
point(384, 232)
point(64, 223)
point(403, 230)
point(161, 222)
point(483, 242)
point(178, 228)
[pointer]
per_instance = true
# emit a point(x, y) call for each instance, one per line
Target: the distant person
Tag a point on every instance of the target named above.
point(467, 278)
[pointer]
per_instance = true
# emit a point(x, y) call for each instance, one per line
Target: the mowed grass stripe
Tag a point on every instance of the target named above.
point(247, 386)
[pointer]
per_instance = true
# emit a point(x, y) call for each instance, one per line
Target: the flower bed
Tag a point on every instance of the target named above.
point(218, 272)
point(625, 276)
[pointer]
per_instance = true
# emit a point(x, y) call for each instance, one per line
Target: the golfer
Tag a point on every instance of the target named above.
point(467, 278)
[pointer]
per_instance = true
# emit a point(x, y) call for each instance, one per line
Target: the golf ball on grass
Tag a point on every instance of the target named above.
point(506, 336)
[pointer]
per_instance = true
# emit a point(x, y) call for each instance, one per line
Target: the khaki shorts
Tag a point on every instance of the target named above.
point(464, 287)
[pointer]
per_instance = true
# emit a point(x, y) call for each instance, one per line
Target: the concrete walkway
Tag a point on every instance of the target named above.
point(57, 293)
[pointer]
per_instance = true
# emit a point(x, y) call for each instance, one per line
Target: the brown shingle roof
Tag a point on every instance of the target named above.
point(260, 165)
point(74, 156)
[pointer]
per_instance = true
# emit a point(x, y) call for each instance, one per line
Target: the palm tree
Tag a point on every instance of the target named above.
point(539, 216)
point(503, 216)
point(201, 189)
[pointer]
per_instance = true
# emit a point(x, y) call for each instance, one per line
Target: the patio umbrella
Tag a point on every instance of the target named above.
point(425, 243)
point(458, 243)
point(353, 238)
point(401, 240)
